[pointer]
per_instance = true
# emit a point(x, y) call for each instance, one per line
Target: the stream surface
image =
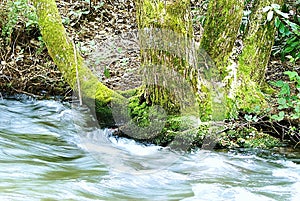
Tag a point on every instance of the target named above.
point(48, 152)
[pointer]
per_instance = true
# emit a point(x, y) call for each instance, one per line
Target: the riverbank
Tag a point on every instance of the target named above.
point(27, 68)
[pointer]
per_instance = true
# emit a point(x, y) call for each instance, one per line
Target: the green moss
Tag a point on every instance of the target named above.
point(258, 43)
point(183, 133)
point(249, 96)
point(206, 104)
point(129, 93)
point(220, 30)
point(170, 15)
point(254, 58)
point(262, 141)
point(164, 16)
point(247, 138)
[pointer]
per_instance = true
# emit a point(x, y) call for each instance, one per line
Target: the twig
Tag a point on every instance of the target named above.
point(27, 93)
point(296, 145)
point(77, 74)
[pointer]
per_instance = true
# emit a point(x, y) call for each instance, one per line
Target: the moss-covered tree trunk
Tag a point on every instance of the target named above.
point(70, 63)
point(170, 23)
point(165, 34)
point(258, 42)
point(221, 28)
point(242, 79)
point(253, 61)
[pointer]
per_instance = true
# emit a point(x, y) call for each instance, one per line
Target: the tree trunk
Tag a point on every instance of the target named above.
point(70, 63)
point(175, 56)
point(221, 28)
point(242, 80)
point(253, 61)
point(258, 43)
point(172, 75)
point(165, 34)
point(222, 24)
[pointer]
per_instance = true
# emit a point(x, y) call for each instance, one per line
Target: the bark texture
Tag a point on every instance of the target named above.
point(165, 33)
point(221, 28)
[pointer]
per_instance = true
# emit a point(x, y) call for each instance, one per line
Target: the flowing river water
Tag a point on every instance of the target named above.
point(47, 152)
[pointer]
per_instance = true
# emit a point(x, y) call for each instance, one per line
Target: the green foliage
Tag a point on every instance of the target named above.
point(139, 111)
point(260, 140)
point(288, 99)
point(245, 20)
point(199, 19)
point(106, 72)
point(199, 12)
point(288, 36)
point(247, 137)
point(250, 118)
point(42, 45)
point(254, 115)
point(19, 11)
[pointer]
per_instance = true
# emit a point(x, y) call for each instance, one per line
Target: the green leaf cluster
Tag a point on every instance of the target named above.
point(288, 99)
point(19, 12)
point(288, 35)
